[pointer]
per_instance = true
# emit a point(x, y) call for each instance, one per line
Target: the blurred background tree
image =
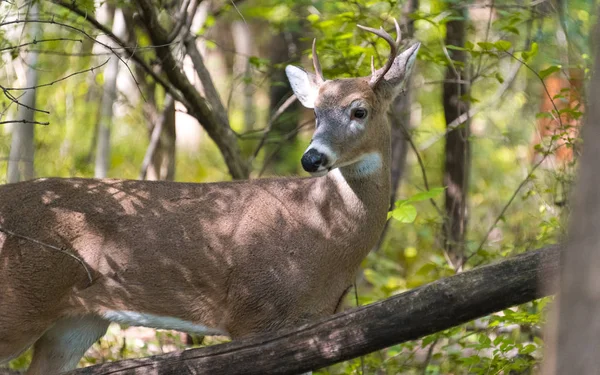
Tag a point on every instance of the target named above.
point(485, 138)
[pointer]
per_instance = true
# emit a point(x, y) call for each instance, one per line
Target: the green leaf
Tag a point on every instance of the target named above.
point(503, 45)
point(312, 18)
point(546, 72)
point(406, 213)
point(425, 195)
point(499, 77)
point(527, 349)
point(510, 29)
point(486, 45)
point(86, 5)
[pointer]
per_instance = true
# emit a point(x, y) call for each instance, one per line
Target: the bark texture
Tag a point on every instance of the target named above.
point(20, 161)
point(576, 349)
point(109, 97)
point(457, 153)
point(215, 124)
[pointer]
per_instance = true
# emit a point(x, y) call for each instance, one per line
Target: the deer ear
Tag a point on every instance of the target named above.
point(304, 84)
point(398, 74)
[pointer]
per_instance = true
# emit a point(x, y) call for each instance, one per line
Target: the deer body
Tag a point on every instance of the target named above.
point(232, 258)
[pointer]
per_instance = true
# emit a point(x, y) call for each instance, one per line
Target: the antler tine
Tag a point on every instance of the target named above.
point(316, 63)
point(398, 33)
point(393, 46)
point(373, 70)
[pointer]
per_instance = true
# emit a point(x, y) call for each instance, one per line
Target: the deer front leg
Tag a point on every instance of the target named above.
point(63, 345)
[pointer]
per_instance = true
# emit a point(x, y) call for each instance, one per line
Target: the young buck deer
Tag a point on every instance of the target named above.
point(232, 258)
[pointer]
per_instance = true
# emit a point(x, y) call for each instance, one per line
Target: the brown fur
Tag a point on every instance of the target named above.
point(241, 257)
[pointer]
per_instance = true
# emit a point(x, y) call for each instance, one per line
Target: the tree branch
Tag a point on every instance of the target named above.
point(217, 126)
point(132, 51)
point(422, 311)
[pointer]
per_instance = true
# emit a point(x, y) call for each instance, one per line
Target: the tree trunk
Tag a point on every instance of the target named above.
point(422, 311)
point(283, 47)
point(109, 97)
point(162, 145)
point(457, 152)
point(20, 161)
point(400, 122)
point(242, 40)
point(216, 124)
point(578, 340)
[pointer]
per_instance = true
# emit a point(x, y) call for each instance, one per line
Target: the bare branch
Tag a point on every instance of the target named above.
point(134, 55)
point(181, 21)
point(289, 101)
point(41, 41)
point(154, 141)
point(15, 100)
point(51, 21)
point(24, 122)
point(214, 123)
point(210, 91)
point(56, 81)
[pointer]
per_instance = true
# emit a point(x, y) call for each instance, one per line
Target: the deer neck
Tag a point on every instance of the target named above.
point(369, 177)
point(365, 187)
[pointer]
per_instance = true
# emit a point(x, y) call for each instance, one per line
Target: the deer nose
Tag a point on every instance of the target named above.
point(312, 160)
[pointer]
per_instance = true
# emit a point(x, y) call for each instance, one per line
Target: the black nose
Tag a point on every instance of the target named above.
point(312, 160)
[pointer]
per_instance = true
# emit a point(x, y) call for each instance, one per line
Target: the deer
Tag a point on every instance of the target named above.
point(230, 258)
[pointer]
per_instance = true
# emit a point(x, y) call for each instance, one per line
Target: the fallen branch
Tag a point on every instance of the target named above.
point(419, 312)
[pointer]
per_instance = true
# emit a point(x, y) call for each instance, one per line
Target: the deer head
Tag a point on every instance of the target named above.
point(351, 123)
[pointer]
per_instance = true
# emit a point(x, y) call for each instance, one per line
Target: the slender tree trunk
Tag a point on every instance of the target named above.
point(578, 340)
point(162, 166)
point(20, 162)
point(109, 97)
point(400, 114)
point(243, 42)
point(457, 153)
point(283, 47)
point(400, 121)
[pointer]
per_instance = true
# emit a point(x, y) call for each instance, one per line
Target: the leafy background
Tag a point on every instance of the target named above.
point(514, 204)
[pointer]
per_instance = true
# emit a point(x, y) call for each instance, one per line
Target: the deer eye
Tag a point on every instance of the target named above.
point(359, 113)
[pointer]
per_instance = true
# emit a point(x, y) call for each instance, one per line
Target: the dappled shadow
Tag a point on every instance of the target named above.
point(243, 257)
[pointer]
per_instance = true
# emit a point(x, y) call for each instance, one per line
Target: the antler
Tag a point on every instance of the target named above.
point(378, 75)
point(316, 63)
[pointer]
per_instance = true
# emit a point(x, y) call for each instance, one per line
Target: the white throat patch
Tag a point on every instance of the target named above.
point(370, 163)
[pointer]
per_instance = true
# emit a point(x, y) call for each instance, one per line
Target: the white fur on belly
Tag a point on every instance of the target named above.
point(133, 318)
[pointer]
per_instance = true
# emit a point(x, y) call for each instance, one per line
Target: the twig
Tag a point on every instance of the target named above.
point(134, 55)
point(52, 21)
point(24, 122)
point(285, 138)
point(475, 110)
point(512, 75)
point(15, 100)
point(429, 355)
point(40, 41)
point(181, 21)
point(289, 101)
point(533, 169)
point(55, 81)
point(154, 140)
point(421, 166)
point(62, 250)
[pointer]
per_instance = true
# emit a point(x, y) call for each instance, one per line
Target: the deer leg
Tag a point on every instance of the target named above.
point(63, 345)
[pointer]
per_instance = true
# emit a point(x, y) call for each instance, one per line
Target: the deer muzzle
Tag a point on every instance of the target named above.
point(314, 161)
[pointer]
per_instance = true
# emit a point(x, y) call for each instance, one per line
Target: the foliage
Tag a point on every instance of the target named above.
point(514, 204)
